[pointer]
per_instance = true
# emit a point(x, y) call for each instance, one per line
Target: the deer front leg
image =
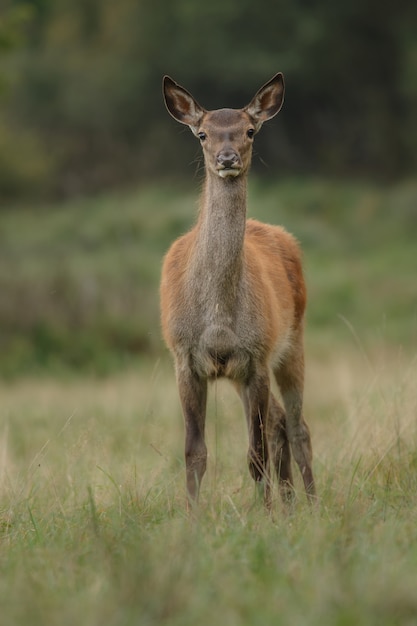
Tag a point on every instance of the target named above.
point(256, 407)
point(193, 396)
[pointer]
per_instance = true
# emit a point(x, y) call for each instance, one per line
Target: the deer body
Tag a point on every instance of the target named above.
point(233, 300)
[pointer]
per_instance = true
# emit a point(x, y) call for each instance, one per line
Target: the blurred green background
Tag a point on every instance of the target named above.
point(96, 179)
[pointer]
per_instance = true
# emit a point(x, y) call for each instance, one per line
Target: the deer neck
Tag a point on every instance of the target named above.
point(220, 234)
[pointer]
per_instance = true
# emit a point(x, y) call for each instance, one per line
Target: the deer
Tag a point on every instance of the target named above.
point(233, 298)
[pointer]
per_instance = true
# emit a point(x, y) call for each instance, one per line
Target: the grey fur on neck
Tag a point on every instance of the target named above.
point(220, 233)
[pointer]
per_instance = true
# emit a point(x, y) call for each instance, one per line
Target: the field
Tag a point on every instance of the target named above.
point(79, 280)
point(93, 528)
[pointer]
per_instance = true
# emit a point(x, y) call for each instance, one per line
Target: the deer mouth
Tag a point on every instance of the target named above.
point(225, 172)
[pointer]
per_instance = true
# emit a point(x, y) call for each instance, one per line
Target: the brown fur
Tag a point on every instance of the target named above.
point(233, 300)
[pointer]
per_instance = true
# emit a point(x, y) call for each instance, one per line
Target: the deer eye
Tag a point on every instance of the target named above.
point(250, 133)
point(202, 136)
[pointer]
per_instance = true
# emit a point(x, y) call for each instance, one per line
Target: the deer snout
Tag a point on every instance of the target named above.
point(228, 159)
point(228, 163)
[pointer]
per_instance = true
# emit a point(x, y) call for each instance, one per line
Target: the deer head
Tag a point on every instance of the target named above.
point(226, 135)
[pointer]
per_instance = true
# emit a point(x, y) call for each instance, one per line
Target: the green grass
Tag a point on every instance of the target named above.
point(93, 528)
point(79, 281)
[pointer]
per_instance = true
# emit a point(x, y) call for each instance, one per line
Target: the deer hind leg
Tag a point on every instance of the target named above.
point(193, 396)
point(279, 449)
point(290, 378)
point(255, 398)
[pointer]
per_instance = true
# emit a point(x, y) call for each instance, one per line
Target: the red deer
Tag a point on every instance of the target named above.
point(233, 300)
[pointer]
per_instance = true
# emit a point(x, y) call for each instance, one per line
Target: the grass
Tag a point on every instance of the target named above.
point(79, 281)
point(93, 528)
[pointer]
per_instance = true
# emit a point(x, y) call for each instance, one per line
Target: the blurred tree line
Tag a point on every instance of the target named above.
point(80, 86)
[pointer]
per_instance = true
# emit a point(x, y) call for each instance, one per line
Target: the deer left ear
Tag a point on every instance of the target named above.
point(267, 101)
point(181, 104)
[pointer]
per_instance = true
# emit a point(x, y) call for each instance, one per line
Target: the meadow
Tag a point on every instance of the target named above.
point(93, 527)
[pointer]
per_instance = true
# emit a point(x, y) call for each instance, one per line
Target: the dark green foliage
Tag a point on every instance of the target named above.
point(84, 108)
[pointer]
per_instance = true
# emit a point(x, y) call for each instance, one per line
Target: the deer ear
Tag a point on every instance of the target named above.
point(267, 101)
point(181, 105)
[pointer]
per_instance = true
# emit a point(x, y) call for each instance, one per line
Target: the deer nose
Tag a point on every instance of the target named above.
point(227, 159)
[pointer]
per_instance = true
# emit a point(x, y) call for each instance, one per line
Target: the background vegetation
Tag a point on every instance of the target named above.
point(93, 190)
point(81, 105)
point(79, 280)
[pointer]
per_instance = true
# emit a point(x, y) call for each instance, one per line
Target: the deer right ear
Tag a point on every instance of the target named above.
point(267, 101)
point(181, 105)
